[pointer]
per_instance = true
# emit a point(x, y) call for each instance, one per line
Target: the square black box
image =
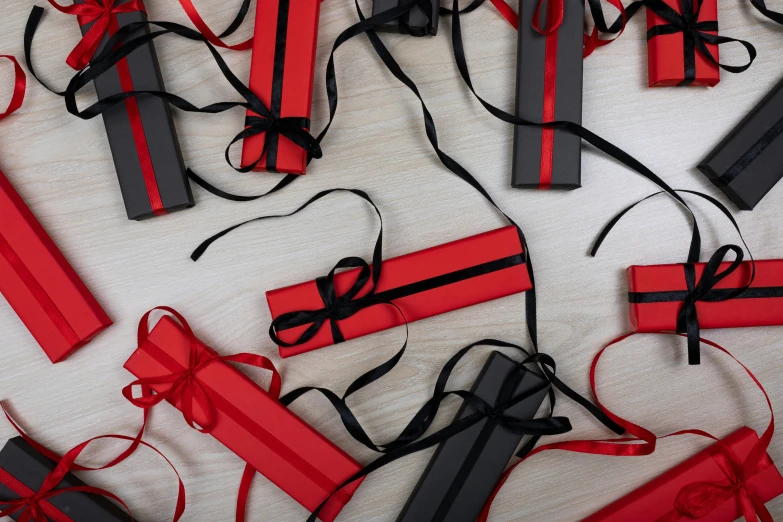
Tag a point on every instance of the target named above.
point(417, 19)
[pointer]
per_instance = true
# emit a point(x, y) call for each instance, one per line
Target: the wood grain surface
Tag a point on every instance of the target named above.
point(63, 168)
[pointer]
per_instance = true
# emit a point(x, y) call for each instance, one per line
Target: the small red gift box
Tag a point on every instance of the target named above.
point(40, 285)
point(704, 485)
point(281, 74)
point(422, 284)
point(251, 423)
point(657, 293)
point(672, 57)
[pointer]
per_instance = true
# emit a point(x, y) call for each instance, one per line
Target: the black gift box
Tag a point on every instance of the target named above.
point(548, 158)
point(167, 174)
point(465, 468)
point(749, 161)
point(31, 468)
point(416, 18)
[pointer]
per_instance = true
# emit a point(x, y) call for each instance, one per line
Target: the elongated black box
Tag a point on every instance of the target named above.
point(31, 468)
point(465, 468)
point(416, 23)
point(549, 88)
point(141, 131)
point(749, 161)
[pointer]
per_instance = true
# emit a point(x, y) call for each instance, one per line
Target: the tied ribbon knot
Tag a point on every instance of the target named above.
point(33, 506)
point(293, 128)
point(100, 13)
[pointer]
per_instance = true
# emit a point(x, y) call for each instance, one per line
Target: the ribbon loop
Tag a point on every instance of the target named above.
point(20, 87)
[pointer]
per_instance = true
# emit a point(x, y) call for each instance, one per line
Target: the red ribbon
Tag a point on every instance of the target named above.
point(207, 33)
point(20, 86)
point(695, 500)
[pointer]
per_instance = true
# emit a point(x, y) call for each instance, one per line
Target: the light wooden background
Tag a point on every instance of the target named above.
point(63, 168)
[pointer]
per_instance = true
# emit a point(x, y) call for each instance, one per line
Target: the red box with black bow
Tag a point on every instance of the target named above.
point(281, 74)
point(251, 423)
point(705, 487)
point(674, 56)
point(422, 284)
point(40, 285)
point(658, 293)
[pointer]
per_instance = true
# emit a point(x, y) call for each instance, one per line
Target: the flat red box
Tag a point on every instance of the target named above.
point(40, 285)
point(655, 500)
point(295, 56)
point(666, 53)
point(498, 248)
point(252, 424)
point(738, 312)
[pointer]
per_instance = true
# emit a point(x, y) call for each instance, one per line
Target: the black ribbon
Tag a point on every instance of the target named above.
point(761, 6)
point(695, 35)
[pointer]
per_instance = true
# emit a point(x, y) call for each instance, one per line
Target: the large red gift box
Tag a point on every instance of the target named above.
point(667, 56)
point(422, 284)
point(655, 501)
point(251, 423)
point(657, 293)
point(40, 285)
point(281, 74)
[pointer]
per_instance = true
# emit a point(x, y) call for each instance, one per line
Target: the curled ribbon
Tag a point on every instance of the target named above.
point(20, 87)
point(99, 13)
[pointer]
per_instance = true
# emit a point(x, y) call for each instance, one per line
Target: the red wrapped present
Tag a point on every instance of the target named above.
point(708, 487)
point(281, 74)
point(674, 56)
point(240, 414)
point(422, 284)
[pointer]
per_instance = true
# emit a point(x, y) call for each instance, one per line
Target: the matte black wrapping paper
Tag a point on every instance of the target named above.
point(416, 23)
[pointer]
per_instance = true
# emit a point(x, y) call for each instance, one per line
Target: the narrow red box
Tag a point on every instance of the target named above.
point(656, 294)
point(667, 55)
point(422, 284)
point(252, 424)
point(40, 285)
point(655, 501)
point(281, 74)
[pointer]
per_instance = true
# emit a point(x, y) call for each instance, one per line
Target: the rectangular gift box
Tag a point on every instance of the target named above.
point(40, 285)
point(282, 72)
point(465, 468)
point(252, 424)
point(655, 500)
point(141, 131)
point(657, 292)
point(29, 468)
point(749, 161)
point(549, 88)
point(416, 22)
point(668, 58)
point(447, 277)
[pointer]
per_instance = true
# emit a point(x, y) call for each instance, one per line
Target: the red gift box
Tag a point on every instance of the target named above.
point(40, 285)
point(422, 284)
point(668, 57)
point(704, 478)
point(251, 423)
point(281, 74)
point(657, 293)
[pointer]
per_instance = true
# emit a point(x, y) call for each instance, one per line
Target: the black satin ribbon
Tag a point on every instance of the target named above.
point(752, 153)
point(761, 6)
point(276, 102)
point(719, 294)
point(695, 34)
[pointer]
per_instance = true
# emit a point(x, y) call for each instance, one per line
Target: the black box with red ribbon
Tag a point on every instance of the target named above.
point(23, 471)
point(141, 130)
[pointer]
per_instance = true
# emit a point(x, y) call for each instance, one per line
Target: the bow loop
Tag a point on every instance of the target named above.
point(293, 128)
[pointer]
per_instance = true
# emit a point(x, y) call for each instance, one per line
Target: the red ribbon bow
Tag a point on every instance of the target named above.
point(100, 13)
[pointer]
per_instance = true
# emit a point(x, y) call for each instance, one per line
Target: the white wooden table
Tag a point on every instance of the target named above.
point(63, 168)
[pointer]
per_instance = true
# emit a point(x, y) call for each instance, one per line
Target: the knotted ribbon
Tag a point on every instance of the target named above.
point(100, 13)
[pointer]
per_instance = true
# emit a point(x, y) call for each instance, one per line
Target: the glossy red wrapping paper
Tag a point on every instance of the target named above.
point(298, 71)
point(252, 424)
point(405, 270)
point(40, 284)
point(655, 500)
point(733, 313)
point(666, 53)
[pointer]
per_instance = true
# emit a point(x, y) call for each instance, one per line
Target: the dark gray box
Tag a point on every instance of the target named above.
point(529, 142)
point(466, 467)
point(749, 161)
point(417, 19)
point(159, 131)
point(31, 468)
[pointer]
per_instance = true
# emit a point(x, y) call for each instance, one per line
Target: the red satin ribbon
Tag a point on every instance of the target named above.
point(593, 41)
point(207, 33)
point(554, 19)
point(505, 10)
point(20, 86)
point(695, 500)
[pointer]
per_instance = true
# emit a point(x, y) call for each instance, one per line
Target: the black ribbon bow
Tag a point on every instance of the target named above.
point(696, 35)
